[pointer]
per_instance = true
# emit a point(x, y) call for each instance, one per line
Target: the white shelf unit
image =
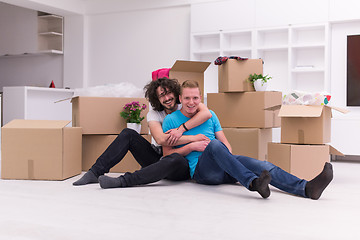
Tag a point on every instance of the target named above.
point(50, 34)
point(236, 43)
point(309, 58)
point(36, 103)
point(296, 56)
point(272, 45)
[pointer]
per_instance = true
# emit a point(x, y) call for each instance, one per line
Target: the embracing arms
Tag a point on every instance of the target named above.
point(174, 137)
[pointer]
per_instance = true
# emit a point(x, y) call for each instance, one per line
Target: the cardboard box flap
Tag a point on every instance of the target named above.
point(334, 151)
point(342, 110)
point(44, 124)
point(273, 108)
point(190, 66)
point(300, 111)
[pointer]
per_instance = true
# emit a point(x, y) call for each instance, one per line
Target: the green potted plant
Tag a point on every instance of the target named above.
point(131, 114)
point(259, 81)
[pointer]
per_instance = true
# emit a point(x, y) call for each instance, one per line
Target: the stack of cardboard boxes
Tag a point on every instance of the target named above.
point(305, 130)
point(100, 120)
point(247, 117)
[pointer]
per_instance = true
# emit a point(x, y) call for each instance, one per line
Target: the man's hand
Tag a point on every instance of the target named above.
point(200, 145)
point(174, 135)
point(200, 137)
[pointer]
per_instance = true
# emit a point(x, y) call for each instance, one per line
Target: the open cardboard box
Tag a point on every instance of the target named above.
point(303, 124)
point(40, 149)
point(303, 161)
point(246, 109)
point(189, 70)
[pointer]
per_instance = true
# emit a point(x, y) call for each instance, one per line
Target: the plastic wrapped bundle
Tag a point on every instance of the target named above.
point(124, 89)
point(306, 98)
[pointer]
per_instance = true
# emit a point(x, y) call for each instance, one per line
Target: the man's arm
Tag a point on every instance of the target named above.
point(221, 137)
point(175, 134)
point(185, 150)
point(162, 138)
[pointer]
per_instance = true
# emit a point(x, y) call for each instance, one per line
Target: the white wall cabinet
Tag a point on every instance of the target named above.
point(36, 103)
point(27, 32)
point(50, 33)
point(295, 56)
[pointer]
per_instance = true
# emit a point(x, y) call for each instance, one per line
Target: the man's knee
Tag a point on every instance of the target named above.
point(127, 132)
point(215, 146)
point(268, 166)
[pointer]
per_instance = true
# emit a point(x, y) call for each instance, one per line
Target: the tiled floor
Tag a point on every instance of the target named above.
point(168, 210)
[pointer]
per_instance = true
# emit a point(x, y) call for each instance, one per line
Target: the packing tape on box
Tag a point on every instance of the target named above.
point(31, 169)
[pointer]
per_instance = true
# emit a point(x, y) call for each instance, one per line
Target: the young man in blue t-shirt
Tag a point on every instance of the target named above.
point(211, 161)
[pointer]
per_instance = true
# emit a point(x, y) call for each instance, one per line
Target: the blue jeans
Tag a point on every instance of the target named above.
point(217, 165)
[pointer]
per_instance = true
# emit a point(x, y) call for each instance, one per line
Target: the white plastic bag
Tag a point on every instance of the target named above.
point(306, 98)
point(124, 89)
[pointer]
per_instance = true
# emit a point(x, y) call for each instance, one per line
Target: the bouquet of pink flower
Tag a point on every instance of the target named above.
point(132, 112)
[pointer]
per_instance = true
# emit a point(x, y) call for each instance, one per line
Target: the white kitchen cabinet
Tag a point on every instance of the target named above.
point(36, 103)
point(50, 33)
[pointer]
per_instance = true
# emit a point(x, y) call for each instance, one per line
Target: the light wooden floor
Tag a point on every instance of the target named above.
point(168, 210)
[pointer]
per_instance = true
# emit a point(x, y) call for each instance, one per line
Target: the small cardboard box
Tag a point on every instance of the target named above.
point(250, 142)
point(301, 124)
point(101, 115)
point(303, 161)
point(234, 74)
point(246, 109)
point(40, 149)
point(189, 70)
point(94, 145)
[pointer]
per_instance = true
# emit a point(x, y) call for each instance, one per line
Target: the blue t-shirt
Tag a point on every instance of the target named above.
point(208, 128)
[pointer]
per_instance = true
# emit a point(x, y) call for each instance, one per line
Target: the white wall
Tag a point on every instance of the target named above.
point(74, 51)
point(128, 46)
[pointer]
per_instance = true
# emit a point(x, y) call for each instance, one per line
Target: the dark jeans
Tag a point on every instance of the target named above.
point(154, 167)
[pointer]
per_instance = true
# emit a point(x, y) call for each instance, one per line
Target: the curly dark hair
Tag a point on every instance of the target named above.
point(172, 85)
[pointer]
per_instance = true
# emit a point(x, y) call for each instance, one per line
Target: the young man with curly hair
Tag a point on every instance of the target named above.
point(163, 95)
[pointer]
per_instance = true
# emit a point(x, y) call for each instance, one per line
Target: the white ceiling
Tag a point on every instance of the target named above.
point(89, 7)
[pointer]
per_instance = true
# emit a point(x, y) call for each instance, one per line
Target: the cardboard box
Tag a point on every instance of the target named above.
point(250, 142)
point(246, 109)
point(189, 70)
point(94, 145)
point(303, 161)
point(234, 74)
point(301, 124)
point(40, 149)
point(101, 115)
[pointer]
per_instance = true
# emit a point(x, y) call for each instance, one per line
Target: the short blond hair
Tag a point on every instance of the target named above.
point(189, 84)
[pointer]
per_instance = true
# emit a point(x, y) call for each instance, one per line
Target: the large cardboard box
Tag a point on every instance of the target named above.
point(246, 109)
point(301, 124)
point(250, 142)
point(234, 74)
point(40, 149)
point(101, 115)
point(94, 145)
point(303, 161)
point(189, 70)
